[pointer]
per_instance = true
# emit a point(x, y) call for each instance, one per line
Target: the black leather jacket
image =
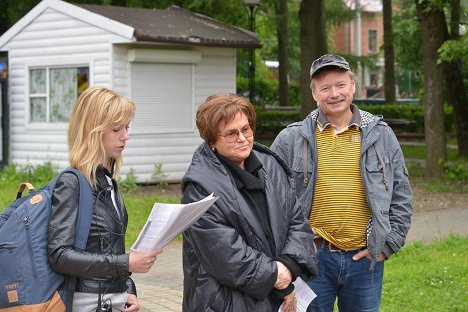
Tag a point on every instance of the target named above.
point(103, 266)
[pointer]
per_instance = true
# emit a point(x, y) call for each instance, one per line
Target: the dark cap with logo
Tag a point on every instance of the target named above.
point(328, 60)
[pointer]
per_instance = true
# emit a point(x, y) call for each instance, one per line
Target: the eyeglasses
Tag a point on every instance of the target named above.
point(232, 136)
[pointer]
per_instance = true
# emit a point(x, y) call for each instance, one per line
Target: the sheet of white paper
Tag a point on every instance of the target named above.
point(166, 221)
point(304, 295)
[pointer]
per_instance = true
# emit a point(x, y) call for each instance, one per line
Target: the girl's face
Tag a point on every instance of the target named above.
point(114, 141)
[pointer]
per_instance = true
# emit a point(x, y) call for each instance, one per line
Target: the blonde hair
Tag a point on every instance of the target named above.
point(222, 107)
point(96, 111)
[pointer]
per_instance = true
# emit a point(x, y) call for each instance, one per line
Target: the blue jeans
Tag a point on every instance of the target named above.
point(358, 289)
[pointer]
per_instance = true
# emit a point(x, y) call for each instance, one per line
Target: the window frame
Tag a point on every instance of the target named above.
point(42, 63)
point(49, 105)
point(373, 40)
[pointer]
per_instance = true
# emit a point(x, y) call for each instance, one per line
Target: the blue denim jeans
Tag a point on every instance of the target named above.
point(357, 288)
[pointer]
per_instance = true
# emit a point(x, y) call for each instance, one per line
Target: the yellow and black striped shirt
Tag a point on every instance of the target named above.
point(340, 213)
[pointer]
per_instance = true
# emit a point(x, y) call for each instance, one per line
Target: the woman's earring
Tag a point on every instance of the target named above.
point(213, 149)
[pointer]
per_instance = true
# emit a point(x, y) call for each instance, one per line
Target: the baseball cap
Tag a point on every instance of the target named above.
point(328, 60)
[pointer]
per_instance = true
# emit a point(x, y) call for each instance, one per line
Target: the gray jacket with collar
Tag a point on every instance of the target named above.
point(383, 171)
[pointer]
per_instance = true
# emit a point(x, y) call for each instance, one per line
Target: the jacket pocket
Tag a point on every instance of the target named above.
point(9, 255)
point(375, 172)
point(377, 181)
point(298, 172)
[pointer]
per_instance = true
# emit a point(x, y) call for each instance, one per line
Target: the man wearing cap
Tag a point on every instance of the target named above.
point(353, 185)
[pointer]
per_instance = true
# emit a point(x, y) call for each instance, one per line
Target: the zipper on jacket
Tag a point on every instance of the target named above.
point(26, 226)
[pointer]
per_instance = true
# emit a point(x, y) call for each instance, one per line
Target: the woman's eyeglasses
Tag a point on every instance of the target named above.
point(231, 136)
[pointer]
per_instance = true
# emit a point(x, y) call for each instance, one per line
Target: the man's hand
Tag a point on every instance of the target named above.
point(284, 277)
point(290, 303)
point(366, 253)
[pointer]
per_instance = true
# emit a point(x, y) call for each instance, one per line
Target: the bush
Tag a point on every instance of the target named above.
point(37, 175)
point(411, 112)
point(266, 91)
point(270, 123)
point(456, 170)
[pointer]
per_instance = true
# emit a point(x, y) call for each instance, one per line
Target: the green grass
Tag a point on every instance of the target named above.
point(139, 208)
point(428, 277)
point(420, 277)
point(419, 152)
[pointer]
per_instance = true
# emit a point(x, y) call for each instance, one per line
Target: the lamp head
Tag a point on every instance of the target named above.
point(251, 3)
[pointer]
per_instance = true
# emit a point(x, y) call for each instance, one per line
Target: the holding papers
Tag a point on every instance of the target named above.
point(304, 295)
point(166, 221)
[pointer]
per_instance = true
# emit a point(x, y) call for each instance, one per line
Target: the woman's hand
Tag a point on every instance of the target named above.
point(132, 304)
point(290, 303)
point(141, 262)
point(284, 277)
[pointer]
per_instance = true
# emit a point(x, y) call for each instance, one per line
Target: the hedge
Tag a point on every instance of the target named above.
point(270, 122)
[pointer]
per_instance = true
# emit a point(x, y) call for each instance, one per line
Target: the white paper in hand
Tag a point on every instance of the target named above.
point(166, 221)
point(304, 295)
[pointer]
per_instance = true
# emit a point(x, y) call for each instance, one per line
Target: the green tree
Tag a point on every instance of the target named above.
point(4, 17)
point(313, 40)
point(408, 52)
point(452, 53)
point(433, 32)
point(281, 9)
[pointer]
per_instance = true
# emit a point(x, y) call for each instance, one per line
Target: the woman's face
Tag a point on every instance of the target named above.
point(238, 150)
point(114, 141)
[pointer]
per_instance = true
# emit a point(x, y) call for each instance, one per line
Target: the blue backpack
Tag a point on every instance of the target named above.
point(26, 278)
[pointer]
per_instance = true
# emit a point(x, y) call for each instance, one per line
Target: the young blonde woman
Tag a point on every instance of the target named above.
point(97, 136)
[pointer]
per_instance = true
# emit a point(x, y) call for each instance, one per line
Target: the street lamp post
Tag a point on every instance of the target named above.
point(252, 5)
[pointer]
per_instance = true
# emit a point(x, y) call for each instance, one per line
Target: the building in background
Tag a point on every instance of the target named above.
point(363, 36)
point(166, 61)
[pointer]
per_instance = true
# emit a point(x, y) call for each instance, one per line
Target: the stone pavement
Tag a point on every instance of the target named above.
point(160, 290)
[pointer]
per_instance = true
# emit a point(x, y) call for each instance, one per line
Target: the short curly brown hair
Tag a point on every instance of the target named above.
point(222, 107)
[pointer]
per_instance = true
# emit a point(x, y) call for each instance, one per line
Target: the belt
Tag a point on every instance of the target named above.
point(118, 285)
point(323, 242)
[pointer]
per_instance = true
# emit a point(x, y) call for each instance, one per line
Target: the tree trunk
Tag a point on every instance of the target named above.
point(456, 93)
point(389, 80)
point(313, 41)
point(432, 31)
point(283, 59)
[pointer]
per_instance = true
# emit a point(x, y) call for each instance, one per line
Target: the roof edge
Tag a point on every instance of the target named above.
point(202, 43)
point(23, 22)
point(71, 10)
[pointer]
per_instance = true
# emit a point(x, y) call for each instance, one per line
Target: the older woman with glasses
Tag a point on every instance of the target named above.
point(244, 253)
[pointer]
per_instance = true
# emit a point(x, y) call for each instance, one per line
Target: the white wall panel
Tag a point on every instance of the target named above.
point(164, 130)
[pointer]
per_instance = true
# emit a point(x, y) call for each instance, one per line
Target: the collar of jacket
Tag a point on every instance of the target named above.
point(368, 121)
point(245, 178)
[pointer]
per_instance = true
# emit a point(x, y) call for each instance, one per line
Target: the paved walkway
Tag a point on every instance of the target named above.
point(160, 290)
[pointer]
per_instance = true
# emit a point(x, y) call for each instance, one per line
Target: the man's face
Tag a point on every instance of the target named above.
point(334, 91)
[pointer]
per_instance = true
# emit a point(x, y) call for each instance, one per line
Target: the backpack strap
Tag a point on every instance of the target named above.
point(85, 215)
point(85, 210)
